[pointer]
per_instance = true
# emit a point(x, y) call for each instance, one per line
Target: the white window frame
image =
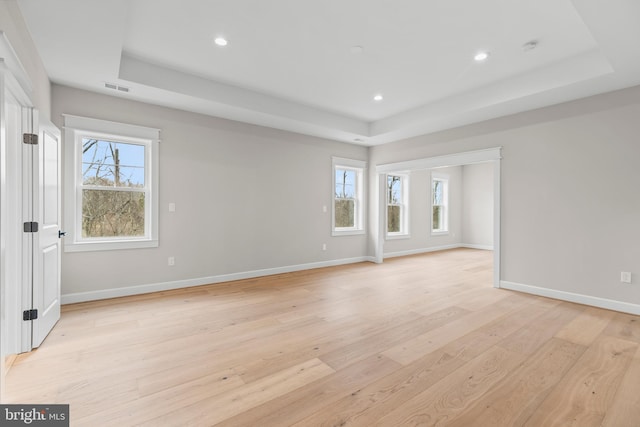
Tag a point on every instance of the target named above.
point(404, 208)
point(359, 167)
point(445, 179)
point(76, 128)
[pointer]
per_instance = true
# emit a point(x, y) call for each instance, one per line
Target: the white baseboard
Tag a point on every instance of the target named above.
point(437, 248)
point(421, 251)
point(481, 247)
point(609, 304)
point(178, 284)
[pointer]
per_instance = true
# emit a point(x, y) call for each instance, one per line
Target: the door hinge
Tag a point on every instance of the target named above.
point(30, 314)
point(30, 138)
point(30, 227)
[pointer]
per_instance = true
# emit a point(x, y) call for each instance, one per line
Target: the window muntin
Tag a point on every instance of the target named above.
point(439, 204)
point(348, 197)
point(111, 195)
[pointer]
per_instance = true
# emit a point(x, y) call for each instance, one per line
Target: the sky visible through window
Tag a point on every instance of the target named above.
point(103, 160)
point(437, 192)
point(345, 183)
point(395, 189)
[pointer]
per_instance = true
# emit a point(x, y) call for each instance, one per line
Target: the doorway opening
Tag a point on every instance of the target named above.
point(455, 202)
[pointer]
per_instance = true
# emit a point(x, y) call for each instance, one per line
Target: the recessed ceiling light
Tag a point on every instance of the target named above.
point(481, 56)
point(378, 97)
point(220, 41)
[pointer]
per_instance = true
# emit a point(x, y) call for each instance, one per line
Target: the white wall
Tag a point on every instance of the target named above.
point(247, 198)
point(477, 205)
point(569, 189)
point(420, 238)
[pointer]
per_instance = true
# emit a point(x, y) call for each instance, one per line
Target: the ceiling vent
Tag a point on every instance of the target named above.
point(114, 86)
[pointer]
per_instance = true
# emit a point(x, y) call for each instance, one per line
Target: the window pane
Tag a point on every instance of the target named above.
point(393, 219)
point(345, 184)
point(394, 187)
point(112, 213)
point(345, 213)
point(438, 217)
point(437, 192)
point(109, 163)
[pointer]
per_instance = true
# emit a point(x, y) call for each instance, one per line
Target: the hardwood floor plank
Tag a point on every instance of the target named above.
point(514, 399)
point(588, 389)
point(381, 341)
point(377, 399)
point(625, 409)
point(624, 326)
point(294, 406)
point(529, 338)
point(587, 326)
point(159, 404)
point(210, 411)
point(484, 337)
point(318, 346)
point(411, 350)
point(455, 393)
point(365, 406)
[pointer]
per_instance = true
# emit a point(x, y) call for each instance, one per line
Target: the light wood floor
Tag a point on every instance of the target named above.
point(421, 340)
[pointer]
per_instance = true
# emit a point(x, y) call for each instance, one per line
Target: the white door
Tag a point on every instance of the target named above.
point(47, 239)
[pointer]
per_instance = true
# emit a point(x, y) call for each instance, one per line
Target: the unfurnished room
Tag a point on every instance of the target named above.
point(320, 213)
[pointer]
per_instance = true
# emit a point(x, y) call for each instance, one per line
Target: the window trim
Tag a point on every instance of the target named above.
point(359, 167)
point(443, 178)
point(404, 232)
point(75, 128)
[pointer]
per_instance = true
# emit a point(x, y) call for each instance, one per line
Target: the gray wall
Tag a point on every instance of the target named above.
point(569, 188)
point(477, 205)
point(247, 198)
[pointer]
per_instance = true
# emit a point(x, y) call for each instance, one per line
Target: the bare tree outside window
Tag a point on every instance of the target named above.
point(113, 189)
point(439, 204)
point(394, 204)
point(345, 198)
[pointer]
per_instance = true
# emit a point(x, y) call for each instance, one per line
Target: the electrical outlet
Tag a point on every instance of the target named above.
point(324, 246)
point(625, 277)
point(172, 207)
point(324, 209)
point(171, 261)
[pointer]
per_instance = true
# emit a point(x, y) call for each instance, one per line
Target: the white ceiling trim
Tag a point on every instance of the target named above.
point(244, 105)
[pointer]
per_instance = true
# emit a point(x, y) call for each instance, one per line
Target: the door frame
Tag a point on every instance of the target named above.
point(493, 155)
point(15, 81)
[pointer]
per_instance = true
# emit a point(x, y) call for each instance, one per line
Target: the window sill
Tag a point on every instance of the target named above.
point(439, 233)
point(110, 245)
point(397, 236)
point(336, 233)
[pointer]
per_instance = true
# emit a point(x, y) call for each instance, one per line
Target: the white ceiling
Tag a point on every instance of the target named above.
point(290, 64)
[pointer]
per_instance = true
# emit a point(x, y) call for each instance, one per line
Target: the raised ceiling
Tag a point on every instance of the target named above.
point(314, 66)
